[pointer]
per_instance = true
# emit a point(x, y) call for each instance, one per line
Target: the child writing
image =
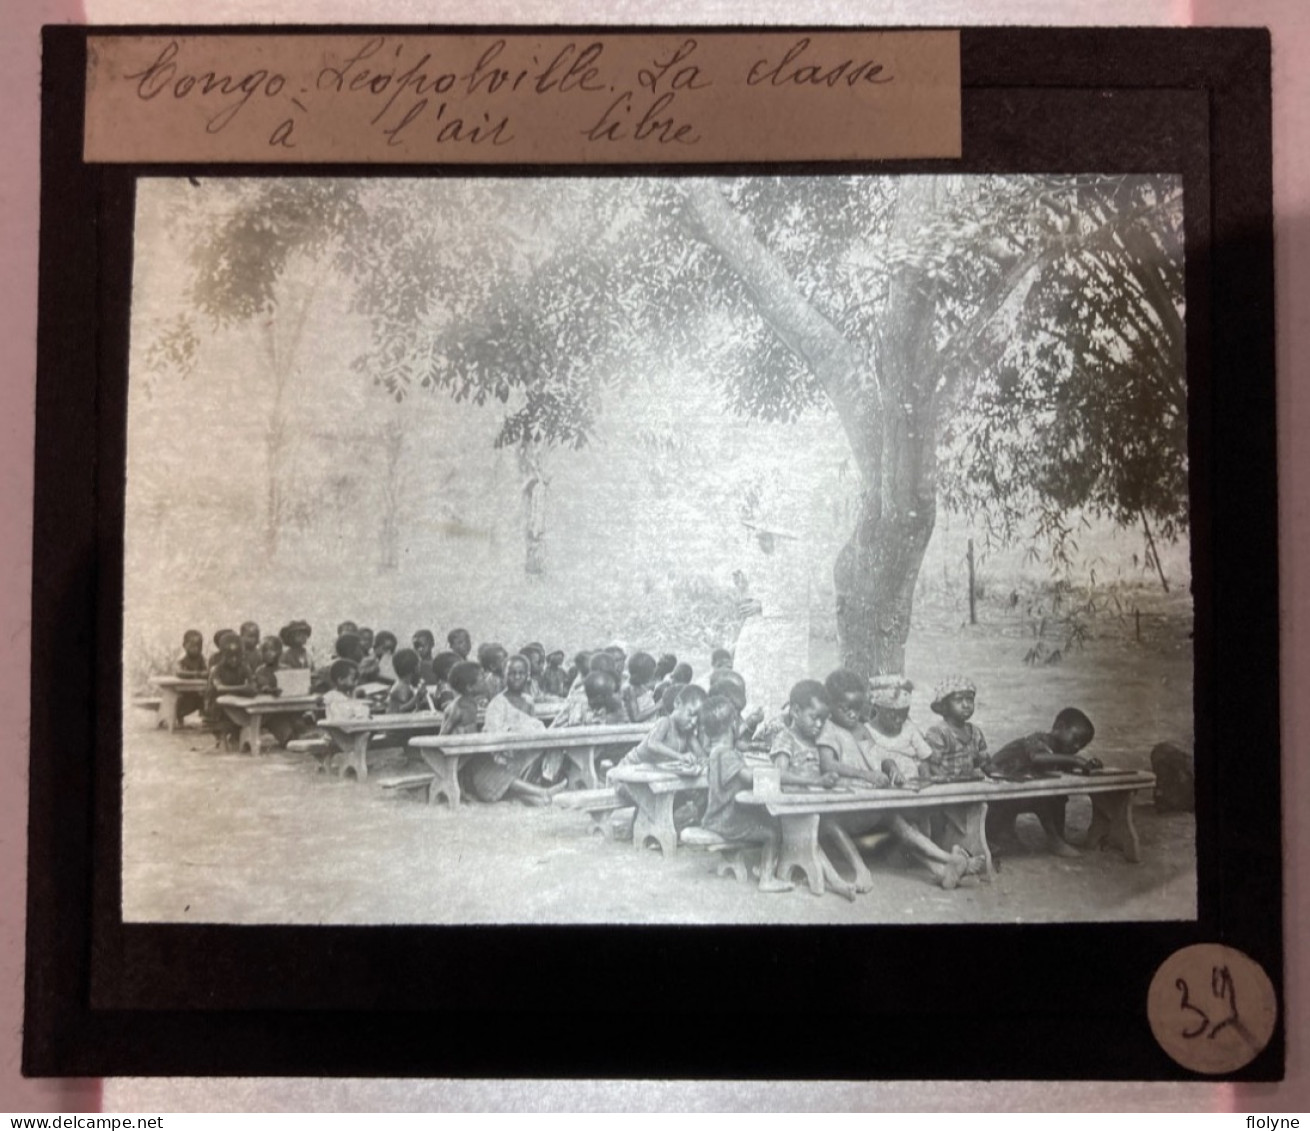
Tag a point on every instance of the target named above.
point(1053, 751)
point(673, 740)
point(229, 676)
point(408, 692)
point(639, 696)
point(845, 747)
point(342, 674)
point(727, 775)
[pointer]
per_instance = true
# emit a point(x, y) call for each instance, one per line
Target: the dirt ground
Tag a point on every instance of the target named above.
point(211, 836)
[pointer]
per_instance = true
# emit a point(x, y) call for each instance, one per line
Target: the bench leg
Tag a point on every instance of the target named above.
point(654, 820)
point(851, 853)
point(356, 757)
point(966, 825)
point(167, 708)
point(581, 768)
point(252, 734)
point(732, 862)
point(800, 849)
point(445, 781)
point(1112, 824)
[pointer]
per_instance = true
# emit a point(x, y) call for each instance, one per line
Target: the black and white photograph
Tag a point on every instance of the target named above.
point(586, 549)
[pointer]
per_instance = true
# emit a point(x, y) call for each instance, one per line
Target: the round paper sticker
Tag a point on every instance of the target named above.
point(1211, 1008)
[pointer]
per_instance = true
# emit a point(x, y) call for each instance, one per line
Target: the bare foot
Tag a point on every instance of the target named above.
point(843, 889)
point(1061, 847)
point(772, 883)
point(952, 871)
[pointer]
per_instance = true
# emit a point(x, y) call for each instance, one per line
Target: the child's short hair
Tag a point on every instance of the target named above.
point(425, 635)
point(442, 663)
point(251, 626)
point(670, 697)
point(465, 676)
point(603, 662)
point(385, 639)
point(806, 692)
point(349, 646)
point(531, 647)
point(667, 663)
point(582, 662)
point(342, 668)
point(599, 686)
point(1073, 722)
point(718, 656)
point(730, 685)
point(641, 667)
point(347, 626)
point(716, 715)
point(457, 634)
point(221, 634)
point(271, 642)
point(843, 681)
point(555, 659)
point(488, 653)
point(405, 662)
point(681, 673)
point(519, 657)
point(690, 696)
point(192, 634)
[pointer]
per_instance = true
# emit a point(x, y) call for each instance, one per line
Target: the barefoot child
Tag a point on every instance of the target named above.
point(672, 740)
point(795, 752)
point(492, 776)
point(1053, 751)
point(190, 665)
point(728, 775)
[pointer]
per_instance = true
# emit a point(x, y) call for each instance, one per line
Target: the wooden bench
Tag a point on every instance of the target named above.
point(963, 804)
point(732, 855)
point(320, 748)
point(170, 688)
point(354, 737)
point(655, 790)
point(248, 713)
point(603, 806)
point(445, 753)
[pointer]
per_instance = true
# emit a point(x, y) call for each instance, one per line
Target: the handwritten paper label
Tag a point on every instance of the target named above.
point(567, 98)
point(1211, 1008)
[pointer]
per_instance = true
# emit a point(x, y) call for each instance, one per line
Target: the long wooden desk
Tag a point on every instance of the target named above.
point(170, 688)
point(352, 736)
point(580, 745)
point(248, 713)
point(963, 803)
point(654, 791)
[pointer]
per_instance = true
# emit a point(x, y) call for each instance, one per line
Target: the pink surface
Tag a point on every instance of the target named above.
point(19, 98)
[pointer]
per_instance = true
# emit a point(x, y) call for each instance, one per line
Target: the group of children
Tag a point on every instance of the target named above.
point(847, 731)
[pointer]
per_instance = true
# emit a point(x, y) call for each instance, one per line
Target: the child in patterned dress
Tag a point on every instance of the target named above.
point(959, 750)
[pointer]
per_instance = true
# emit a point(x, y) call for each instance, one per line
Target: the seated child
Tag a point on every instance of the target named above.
point(720, 658)
point(461, 715)
point(229, 676)
point(681, 673)
point(639, 695)
point(384, 650)
point(347, 647)
point(578, 672)
point(408, 692)
point(370, 670)
point(461, 643)
point(728, 775)
point(795, 752)
point(347, 626)
point(190, 665)
point(670, 698)
point(664, 667)
point(732, 686)
point(492, 776)
point(295, 644)
point(425, 644)
point(845, 748)
point(1055, 750)
point(553, 676)
point(535, 654)
point(673, 739)
point(492, 658)
point(342, 674)
point(959, 750)
point(442, 665)
point(264, 678)
point(899, 748)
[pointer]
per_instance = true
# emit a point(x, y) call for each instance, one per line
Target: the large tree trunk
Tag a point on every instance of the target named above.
point(886, 408)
